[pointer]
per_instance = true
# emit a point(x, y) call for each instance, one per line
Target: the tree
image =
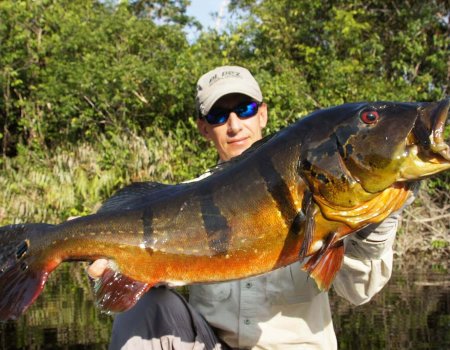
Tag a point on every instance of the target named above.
point(344, 51)
point(70, 70)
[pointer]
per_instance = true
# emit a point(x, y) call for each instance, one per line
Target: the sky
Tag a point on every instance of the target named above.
point(203, 11)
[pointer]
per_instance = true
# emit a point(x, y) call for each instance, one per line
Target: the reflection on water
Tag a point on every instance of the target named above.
point(62, 317)
point(412, 312)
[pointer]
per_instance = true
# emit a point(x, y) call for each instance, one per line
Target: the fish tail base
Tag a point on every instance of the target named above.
point(22, 274)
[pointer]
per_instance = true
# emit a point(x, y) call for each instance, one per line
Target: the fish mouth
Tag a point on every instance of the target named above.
point(438, 143)
point(427, 150)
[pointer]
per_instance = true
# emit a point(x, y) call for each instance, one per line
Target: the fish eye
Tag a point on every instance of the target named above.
point(370, 117)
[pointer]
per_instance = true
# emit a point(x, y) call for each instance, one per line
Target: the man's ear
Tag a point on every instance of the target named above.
point(262, 113)
point(202, 126)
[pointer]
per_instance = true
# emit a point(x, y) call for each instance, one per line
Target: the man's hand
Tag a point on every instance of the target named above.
point(97, 268)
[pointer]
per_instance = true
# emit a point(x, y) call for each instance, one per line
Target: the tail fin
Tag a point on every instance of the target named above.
point(22, 275)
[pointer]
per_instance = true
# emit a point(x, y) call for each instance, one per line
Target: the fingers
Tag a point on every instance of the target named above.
point(96, 269)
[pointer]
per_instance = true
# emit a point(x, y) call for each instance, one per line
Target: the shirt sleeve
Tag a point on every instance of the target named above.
point(367, 264)
point(368, 259)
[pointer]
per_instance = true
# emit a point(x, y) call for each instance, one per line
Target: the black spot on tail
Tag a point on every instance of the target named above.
point(22, 272)
point(22, 249)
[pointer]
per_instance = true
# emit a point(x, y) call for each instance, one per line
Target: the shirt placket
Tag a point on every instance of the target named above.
point(252, 298)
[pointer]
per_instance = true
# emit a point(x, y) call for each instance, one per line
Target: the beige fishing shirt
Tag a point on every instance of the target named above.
point(284, 309)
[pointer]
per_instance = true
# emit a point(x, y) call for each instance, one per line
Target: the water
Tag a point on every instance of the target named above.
point(412, 312)
point(63, 317)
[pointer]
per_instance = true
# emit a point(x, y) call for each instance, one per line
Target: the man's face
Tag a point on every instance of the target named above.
point(237, 134)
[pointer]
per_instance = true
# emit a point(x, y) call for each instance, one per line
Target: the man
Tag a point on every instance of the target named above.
point(282, 309)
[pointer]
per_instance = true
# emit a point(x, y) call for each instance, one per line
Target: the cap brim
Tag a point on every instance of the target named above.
point(227, 88)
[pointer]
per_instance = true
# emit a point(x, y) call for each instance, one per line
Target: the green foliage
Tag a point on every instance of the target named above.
point(72, 70)
point(349, 51)
point(439, 244)
point(75, 179)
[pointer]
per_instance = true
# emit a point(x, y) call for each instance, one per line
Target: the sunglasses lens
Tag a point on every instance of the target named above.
point(248, 110)
point(216, 117)
point(220, 116)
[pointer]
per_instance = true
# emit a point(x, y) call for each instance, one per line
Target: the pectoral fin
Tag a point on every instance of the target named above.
point(325, 263)
point(115, 292)
point(310, 209)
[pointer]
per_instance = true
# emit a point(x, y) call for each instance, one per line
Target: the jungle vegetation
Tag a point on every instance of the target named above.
point(96, 94)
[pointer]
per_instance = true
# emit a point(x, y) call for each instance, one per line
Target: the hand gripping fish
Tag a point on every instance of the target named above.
point(292, 195)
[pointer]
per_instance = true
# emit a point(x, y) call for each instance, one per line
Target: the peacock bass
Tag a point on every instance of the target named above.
point(293, 195)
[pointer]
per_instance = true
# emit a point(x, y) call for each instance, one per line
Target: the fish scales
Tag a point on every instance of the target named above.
point(293, 195)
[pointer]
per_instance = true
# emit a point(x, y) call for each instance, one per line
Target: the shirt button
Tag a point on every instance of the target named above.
point(247, 322)
point(248, 285)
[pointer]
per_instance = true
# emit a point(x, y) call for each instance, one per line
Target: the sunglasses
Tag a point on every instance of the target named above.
point(243, 111)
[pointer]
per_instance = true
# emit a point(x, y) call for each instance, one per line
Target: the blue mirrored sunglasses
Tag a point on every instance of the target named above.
point(243, 111)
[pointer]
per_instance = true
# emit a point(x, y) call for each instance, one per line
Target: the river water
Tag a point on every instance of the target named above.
point(412, 312)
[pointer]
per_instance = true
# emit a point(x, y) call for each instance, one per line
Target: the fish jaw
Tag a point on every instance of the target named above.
point(427, 151)
point(417, 167)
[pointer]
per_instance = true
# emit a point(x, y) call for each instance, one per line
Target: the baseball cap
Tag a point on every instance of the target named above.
point(222, 81)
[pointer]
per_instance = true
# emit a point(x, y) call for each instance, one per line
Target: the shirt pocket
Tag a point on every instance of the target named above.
point(210, 292)
point(290, 285)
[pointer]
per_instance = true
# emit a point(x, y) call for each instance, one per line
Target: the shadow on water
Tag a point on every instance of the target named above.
point(412, 312)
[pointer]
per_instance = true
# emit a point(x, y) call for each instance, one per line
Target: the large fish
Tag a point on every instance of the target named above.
point(293, 195)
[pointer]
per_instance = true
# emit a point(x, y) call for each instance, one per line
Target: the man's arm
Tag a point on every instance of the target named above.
point(368, 259)
point(367, 265)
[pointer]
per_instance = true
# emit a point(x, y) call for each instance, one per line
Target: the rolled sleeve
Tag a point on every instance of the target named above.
point(368, 259)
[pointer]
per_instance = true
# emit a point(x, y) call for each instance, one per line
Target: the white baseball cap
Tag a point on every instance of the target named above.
point(222, 81)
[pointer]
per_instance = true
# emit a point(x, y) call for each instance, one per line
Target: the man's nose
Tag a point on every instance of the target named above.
point(234, 123)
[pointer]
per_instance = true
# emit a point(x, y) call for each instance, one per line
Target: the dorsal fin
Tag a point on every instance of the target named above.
point(132, 196)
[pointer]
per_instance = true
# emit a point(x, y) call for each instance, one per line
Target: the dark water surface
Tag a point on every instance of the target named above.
point(412, 312)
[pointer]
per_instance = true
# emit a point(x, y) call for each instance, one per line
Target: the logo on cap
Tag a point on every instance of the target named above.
point(224, 75)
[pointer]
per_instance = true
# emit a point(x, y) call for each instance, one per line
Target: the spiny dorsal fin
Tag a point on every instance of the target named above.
point(132, 196)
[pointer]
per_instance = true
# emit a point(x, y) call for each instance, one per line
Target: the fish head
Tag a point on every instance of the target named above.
point(369, 147)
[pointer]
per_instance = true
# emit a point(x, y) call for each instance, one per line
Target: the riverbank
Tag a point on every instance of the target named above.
point(423, 239)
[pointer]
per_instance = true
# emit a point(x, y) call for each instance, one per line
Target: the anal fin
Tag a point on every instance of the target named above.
point(325, 263)
point(115, 292)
